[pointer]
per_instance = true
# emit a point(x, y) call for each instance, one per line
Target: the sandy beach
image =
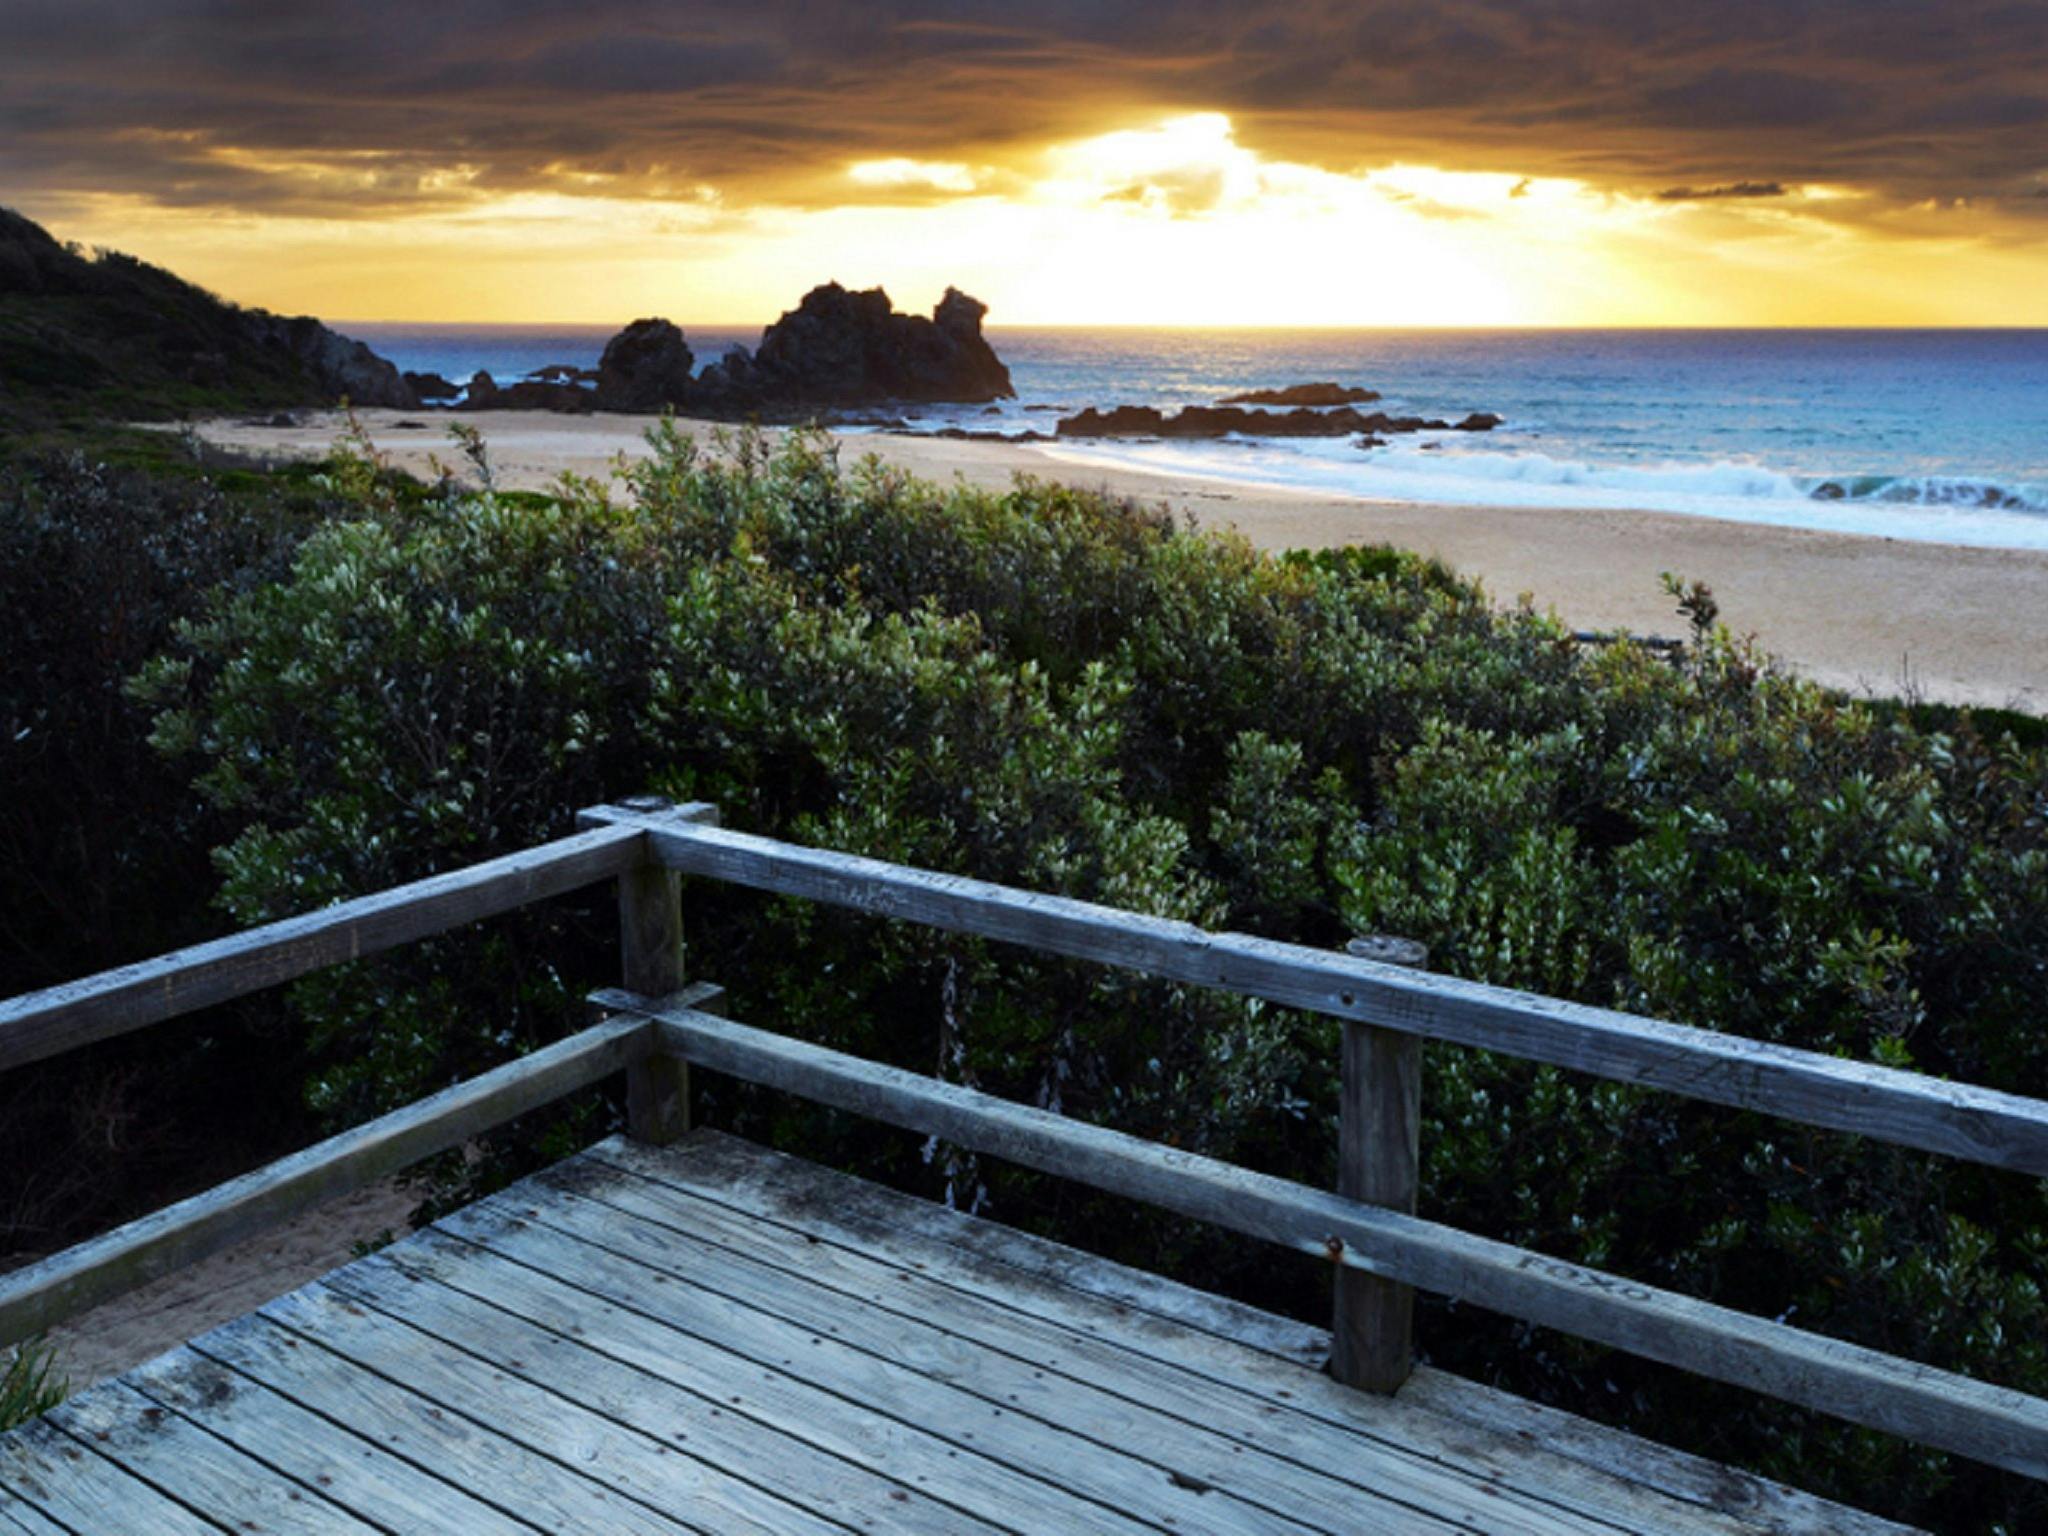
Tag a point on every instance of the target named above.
point(1884, 616)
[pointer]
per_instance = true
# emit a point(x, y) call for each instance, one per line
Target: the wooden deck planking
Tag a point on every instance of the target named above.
point(712, 1338)
point(84, 1493)
point(994, 1495)
point(1086, 1471)
point(1238, 1354)
point(1257, 1451)
point(320, 1452)
point(1238, 1349)
point(1053, 1428)
point(577, 1466)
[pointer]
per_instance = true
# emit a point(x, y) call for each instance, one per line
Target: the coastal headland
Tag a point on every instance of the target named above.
point(1891, 617)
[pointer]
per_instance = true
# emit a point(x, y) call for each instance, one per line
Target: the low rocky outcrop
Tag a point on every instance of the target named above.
point(968, 435)
point(526, 395)
point(1478, 421)
point(1222, 420)
point(1305, 394)
point(646, 367)
point(431, 387)
point(342, 368)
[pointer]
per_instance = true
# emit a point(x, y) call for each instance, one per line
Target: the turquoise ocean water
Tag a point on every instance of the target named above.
point(1931, 435)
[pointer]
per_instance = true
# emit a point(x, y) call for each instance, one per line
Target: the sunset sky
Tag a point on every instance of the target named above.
point(1558, 162)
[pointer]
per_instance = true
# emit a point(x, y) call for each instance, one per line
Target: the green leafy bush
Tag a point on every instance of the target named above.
point(1062, 691)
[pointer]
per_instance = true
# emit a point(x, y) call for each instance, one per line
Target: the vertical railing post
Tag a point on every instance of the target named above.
point(651, 949)
point(1378, 1156)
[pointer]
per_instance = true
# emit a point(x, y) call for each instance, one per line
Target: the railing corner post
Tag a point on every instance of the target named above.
point(651, 951)
point(1378, 1161)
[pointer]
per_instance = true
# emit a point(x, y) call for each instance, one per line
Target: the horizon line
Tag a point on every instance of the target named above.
point(1128, 325)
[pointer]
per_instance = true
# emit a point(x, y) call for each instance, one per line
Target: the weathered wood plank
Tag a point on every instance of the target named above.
point(921, 1393)
point(1239, 1350)
point(1921, 1403)
point(318, 1452)
point(1032, 1358)
point(1755, 1502)
point(196, 1468)
point(51, 1290)
point(1998, 1129)
point(62, 1018)
point(565, 1468)
point(19, 1519)
point(86, 1493)
point(1067, 1383)
point(733, 1413)
point(776, 1393)
point(771, 1183)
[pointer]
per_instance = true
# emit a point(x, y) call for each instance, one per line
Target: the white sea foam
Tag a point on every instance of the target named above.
point(1933, 509)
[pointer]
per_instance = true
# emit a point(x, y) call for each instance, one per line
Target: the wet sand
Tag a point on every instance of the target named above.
point(1871, 615)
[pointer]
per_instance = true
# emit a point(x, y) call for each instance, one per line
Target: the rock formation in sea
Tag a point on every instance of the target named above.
point(1219, 421)
point(839, 347)
point(837, 350)
point(1304, 394)
point(646, 367)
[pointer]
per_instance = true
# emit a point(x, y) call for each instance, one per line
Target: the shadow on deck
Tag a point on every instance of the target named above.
point(710, 1337)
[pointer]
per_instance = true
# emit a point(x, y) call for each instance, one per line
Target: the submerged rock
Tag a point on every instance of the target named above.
point(1326, 393)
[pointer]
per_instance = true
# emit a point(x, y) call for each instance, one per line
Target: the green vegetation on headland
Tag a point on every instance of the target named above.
point(86, 339)
point(355, 681)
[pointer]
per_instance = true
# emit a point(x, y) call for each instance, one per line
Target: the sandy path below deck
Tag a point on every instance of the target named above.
point(1950, 623)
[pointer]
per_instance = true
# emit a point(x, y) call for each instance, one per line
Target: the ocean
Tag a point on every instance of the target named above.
point(1910, 434)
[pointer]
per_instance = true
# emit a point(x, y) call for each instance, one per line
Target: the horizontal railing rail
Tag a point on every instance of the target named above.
point(1981, 1125)
point(62, 1018)
point(1937, 1408)
point(43, 1024)
point(38, 1297)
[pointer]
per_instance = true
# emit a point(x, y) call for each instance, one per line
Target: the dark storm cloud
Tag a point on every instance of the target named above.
point(360, 108)
point(1733, 189)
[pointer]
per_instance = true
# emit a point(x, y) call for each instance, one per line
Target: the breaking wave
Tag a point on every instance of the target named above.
point(1933, 508)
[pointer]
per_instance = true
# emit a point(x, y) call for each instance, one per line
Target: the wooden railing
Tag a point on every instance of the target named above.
point(656, 1027)
point(117, 1002)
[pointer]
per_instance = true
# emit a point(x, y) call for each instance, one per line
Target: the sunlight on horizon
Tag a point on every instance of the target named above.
point(1176, 223)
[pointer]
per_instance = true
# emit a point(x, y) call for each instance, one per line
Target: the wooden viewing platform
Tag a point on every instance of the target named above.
point(677, 1331)
point(710, 1337)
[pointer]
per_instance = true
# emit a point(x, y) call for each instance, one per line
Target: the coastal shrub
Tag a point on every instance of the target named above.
point(1064, 691)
